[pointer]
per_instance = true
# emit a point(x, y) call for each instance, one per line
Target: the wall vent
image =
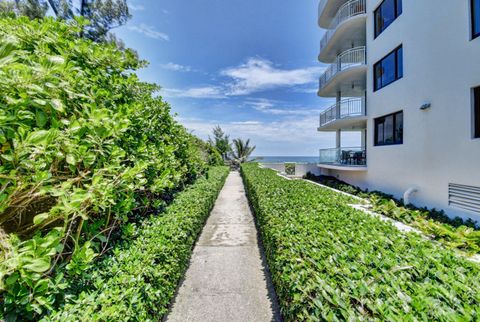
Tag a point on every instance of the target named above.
point(464, 197)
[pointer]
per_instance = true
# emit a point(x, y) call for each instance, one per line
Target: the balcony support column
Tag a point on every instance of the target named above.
point(364, 138)
point(338, 139)
point(339, 102)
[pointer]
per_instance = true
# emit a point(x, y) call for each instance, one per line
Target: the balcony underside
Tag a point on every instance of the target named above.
point(342, 167)
point(327, 10)
point(351, 82)
point(350, 33)
point(355, 123)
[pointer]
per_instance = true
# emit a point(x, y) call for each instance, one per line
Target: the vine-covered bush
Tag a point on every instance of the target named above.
point(331, 262)
point(83, 145)
point(138, 281)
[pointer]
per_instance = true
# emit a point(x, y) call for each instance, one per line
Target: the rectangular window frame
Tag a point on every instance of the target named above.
point(376, 122)
point(476, 112)
point(473, 14)
point(398, 74)
point(398, 12)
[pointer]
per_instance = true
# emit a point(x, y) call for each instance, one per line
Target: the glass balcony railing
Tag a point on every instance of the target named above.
point(346, 156)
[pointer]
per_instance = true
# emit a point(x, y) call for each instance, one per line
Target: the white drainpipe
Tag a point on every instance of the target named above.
point(408, 194)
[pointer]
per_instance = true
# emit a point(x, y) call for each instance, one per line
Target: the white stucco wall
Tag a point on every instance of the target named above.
point(441, 65)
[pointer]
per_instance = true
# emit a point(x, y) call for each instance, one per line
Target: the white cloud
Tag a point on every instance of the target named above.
point(149, 31)
point(261, 74)
point(136, 7)
point(285, 137)
point(294, 136)
point(176, 67)
point(247, 123)
point(274, 107)
point(195, 92)
point(254, 76)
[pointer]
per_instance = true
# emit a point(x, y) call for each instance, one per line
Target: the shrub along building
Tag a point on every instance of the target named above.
point(406, 76)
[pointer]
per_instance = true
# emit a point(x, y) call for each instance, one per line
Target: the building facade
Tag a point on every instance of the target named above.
point(406, 76)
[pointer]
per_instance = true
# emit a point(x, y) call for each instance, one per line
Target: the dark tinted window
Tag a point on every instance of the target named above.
point(476, 112)
point(475, 18)
point(389, 69)
point(399, 7)
point(385, 14)
point(400, 62)
point(389, 129)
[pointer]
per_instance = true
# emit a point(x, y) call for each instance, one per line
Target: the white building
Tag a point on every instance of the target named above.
point(406, 75)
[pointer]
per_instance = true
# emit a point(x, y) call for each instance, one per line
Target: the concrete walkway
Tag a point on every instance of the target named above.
point(227, 280)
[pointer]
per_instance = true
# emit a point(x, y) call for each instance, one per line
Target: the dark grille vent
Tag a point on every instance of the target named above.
point(464, 197)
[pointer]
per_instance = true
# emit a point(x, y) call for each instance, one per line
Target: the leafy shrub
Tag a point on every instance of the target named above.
point(455, 233)
point(138, 281)
point(84, 144)
point(332, 262)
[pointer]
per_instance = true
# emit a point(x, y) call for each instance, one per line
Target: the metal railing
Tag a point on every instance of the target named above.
point(345, 156)
point(350, 9)
point(349, 107)
point(350, 58)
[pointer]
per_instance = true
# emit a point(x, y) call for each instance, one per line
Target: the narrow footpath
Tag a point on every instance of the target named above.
point(227, 279)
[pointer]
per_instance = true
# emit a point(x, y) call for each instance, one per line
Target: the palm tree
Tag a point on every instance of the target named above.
point(241, 150)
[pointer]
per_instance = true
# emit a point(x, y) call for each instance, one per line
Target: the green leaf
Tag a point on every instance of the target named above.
point(71, 159)
point(40, 137)
point(38, 219)
point(58, 105)
point(41, 118)
point(38, 265)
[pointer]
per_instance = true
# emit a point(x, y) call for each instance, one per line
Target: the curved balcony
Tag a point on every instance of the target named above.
point(348, 113)
point(347, 27)
point(346, 75)
point(327, 10)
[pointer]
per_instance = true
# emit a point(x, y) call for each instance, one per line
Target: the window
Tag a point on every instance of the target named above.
point(389, 69)
point(475, 4)
point(476, 112)
point(389, 129)
point(386, 13)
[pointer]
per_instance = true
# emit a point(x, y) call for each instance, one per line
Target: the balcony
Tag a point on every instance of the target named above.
point(348, 113)
point(347, 27)
point(345, 158)
point(346, 75)
point(327, 10)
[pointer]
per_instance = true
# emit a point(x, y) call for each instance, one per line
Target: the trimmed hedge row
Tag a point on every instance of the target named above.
point(454, 233)
point(138, 280)
point(332, 262)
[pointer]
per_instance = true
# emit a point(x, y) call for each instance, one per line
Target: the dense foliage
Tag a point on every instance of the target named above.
point(332, 262)
point(455, 233)
point(138, 281)
point(102, 15)
point(84, 144)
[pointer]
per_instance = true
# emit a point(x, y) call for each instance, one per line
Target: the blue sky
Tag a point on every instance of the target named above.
point(249, 66)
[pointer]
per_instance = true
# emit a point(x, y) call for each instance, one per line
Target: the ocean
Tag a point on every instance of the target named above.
point(283, 159)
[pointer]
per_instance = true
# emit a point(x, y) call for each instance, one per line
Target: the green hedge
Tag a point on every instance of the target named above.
point(454, 233)
point(332, 262)
point(84, 145)
point(138, 280)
